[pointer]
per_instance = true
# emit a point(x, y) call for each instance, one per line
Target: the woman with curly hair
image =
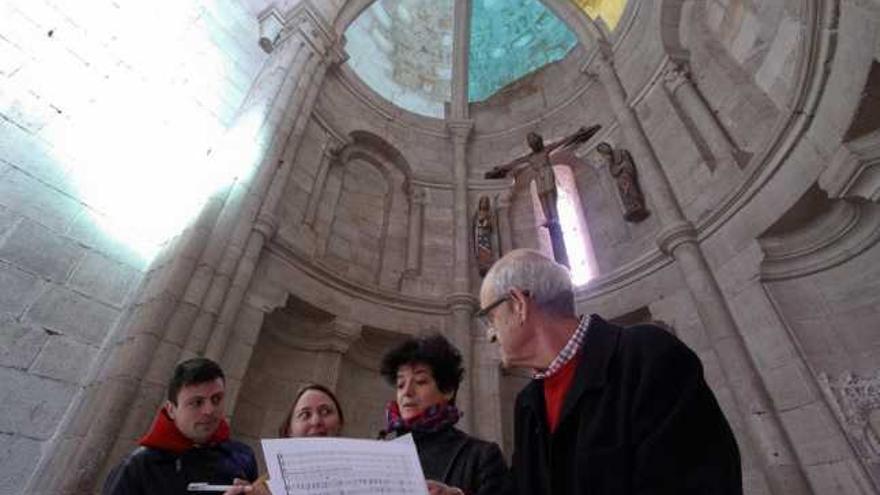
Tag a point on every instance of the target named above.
point(426, 373)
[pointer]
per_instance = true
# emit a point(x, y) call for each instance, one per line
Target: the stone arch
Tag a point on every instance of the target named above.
point(364, 239)
point(670, 25)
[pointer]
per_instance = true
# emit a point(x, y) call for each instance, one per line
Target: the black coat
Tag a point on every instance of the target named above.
point(457, 459)
point(152, 471)
point(638, 419)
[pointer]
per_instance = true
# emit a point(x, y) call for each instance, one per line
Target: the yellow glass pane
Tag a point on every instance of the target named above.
point(609, 10)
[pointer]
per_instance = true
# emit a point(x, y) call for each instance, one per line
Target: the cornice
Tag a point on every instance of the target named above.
point(854, 172)
point(384, 108)
point(843, 233)
point(326, 339)
point(625, 275)
point(462, 299)
point(305, 20)
point(672, 236)
point(357, 290)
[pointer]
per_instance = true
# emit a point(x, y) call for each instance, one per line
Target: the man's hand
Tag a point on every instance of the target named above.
point(437, 488)
point(243, 486)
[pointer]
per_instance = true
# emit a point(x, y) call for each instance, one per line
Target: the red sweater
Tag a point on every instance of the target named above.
point(555, 388)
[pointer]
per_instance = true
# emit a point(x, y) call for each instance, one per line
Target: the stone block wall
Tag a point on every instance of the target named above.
point(92, 98)
point(363, 394)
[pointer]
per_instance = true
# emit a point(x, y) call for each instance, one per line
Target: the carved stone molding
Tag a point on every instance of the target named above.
point(460, 130)
point(271, 25)
point(845, 231)
point(854, 172)
point(675, 75)
point(336, 335)
point(856, 402)
point(462, 300)
point(314, 270)
point(417, 194)
point(306, 22)
point(675, 235)
point(266, 224)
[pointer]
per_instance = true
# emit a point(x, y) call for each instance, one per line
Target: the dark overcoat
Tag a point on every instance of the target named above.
point(460, 460)
point(638, 419)
point(148, 471)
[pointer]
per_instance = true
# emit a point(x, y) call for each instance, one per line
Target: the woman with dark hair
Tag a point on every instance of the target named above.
point(426, 373)
point(315, 413)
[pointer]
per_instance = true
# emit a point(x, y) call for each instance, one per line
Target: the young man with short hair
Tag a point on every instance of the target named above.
point(188, 441)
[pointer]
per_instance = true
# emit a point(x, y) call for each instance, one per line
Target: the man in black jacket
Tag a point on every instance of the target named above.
point(188, 441)
point(610, 410)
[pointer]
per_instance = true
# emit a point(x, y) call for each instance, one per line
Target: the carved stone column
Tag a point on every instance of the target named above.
point(685, 94)
point(487, 386)
point(417, 199)
point(461, 301)
point(678, 239)
point(462, 306)
point(329, 155)
point(460, 131)
point(505, 236)
point(325, 54)
point(341, 334)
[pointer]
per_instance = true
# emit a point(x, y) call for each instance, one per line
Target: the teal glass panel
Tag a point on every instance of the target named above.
point(510, 39)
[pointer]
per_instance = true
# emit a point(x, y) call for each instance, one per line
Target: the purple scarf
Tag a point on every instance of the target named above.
point(432, 419)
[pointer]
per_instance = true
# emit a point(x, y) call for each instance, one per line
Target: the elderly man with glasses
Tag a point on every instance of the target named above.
point(609, 410)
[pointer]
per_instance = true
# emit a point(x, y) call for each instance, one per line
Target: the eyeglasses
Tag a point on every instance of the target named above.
point(482, 315)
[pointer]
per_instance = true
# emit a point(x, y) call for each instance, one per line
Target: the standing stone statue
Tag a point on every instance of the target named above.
point(538, 162)
point(622, 168)
point(484, 227)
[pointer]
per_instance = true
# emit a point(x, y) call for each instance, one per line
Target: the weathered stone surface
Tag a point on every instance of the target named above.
point(18, 455)
point(32, 406)
point(8, 218)
point(19, 343)
point(64, 359)
point(40, 251)
point(36, 200)
point(70, 313)
point(17, 289)
point(104, 279)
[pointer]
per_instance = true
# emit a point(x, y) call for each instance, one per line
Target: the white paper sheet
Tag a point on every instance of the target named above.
point(343, 466)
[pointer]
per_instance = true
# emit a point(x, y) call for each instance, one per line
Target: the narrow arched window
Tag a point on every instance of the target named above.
point(574, 226)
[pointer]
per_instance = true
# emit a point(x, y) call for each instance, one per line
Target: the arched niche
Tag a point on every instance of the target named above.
point(363, 229)
point(301, 344)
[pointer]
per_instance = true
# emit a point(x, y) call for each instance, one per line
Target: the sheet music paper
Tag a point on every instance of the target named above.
point(343, 466)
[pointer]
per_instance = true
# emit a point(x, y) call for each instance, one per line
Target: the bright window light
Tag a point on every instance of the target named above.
point(574, 227)
point(138, 111)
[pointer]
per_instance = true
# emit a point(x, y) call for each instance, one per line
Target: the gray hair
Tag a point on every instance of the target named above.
point(548, 282)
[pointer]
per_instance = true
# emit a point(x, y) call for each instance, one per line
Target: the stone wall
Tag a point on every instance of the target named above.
point(88, 115)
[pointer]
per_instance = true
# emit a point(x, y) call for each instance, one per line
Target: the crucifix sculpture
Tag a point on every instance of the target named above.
point(538, 162)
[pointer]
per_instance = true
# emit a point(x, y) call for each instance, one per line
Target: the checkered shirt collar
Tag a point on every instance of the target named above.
point(569, 351)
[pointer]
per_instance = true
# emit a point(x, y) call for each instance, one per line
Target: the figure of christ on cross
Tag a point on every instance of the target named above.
point(538, 162)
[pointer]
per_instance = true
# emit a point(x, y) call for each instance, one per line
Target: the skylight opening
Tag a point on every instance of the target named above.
point(609, 11)
point(509, 40)
point(402, 50)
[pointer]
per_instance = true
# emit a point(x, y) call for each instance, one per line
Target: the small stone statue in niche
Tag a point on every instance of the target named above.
point(623, 169)
point(484, 229)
